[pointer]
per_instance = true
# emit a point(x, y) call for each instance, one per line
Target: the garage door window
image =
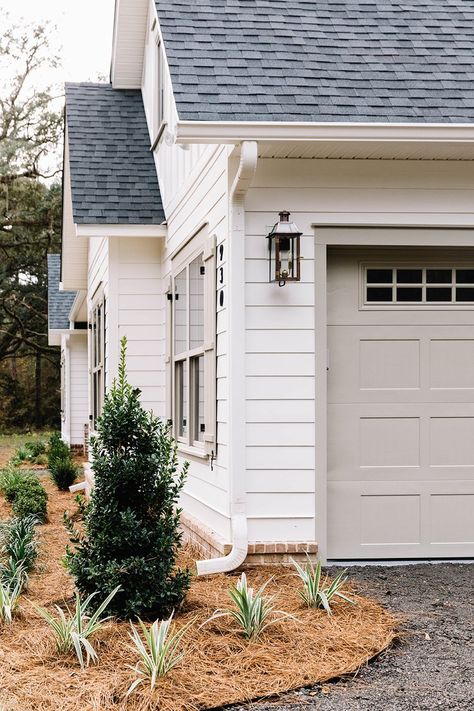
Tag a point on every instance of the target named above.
point(418, 285)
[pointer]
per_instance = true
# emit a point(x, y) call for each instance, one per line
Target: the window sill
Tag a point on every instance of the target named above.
point(192, 451)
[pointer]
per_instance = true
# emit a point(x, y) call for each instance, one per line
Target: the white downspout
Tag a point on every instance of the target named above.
point(236, 371)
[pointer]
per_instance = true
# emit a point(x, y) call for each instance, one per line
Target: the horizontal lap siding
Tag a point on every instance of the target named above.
point(203, 199)
point(280, 356)
point(78, 373)
point(141, 304)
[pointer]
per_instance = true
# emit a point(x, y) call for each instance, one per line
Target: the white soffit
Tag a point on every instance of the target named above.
point(128, 43)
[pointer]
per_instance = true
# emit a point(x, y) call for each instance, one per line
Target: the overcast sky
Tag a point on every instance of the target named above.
point(84, 32)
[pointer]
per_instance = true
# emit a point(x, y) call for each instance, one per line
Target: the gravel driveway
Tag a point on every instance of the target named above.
point(432, 667)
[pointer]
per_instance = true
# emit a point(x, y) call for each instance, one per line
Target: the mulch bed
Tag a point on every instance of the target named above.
point(219, 666)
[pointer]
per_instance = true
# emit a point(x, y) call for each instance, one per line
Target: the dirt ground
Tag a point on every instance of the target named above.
point(433, 665)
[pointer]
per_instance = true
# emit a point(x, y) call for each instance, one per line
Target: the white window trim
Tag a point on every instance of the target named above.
point(200, 243)
point(97, 372)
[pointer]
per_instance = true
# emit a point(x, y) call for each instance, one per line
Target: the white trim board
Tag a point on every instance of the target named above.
point(106, 230)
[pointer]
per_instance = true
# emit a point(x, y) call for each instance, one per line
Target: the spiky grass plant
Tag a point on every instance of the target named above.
point(158, 653)
point(11, 479)
point(72, 630)
point(18, 550)
point(316, 592)
point(9, 601)
point(252, 610)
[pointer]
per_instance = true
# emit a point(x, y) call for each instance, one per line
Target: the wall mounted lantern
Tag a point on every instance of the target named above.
point(284, 251)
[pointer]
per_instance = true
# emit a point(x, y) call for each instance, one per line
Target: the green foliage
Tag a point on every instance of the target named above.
point(63, 472)
point(31, 451)
point(158, 654)
point(252, 610)
point(61, 463)
point(11, 479)
point(18, 549)
point(131, 524)
point(26, 494)
point(72, 630)
point(318, 593)
point(9, 601)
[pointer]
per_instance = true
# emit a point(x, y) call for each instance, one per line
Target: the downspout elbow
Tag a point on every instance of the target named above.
point(237, 554)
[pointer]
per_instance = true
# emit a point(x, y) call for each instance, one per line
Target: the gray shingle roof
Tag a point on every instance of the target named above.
point(321, 60)
point(59, 302)
point(113, 173)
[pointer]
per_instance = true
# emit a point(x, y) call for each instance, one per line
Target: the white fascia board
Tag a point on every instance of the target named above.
point(105, 230)
point(237, 131)
point(76, 304)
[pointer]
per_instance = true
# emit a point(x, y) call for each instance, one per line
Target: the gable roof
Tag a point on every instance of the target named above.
point(59, 302)
point(321, 61)
point(113, 173)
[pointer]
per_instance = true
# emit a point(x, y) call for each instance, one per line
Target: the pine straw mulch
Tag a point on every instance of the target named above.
point(219, 667)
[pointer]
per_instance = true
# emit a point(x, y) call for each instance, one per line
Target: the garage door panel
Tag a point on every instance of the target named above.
point(400, 422)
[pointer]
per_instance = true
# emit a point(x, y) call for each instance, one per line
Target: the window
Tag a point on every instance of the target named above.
point(192, 359)
point(418, 285)
point(97, 353)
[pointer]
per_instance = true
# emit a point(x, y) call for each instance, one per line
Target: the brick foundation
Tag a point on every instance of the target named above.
point(210, 545)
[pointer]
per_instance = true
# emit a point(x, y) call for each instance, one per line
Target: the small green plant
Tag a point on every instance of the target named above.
point(158, 654)
point(29, 452)
point(9, 601)
point(318, 593)
point(19, 540)
point(252, 610)
point(10, 480)
point(63, 472)
point(30, 499)
point(57, 449)
point(72, 630)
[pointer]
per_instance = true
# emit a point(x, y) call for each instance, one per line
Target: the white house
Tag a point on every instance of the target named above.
point(334, 413)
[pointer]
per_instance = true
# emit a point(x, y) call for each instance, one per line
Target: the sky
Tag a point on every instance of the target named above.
point(84, 34)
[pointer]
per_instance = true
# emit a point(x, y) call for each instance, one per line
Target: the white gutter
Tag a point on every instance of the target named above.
point(237, 131)
point(122, 230)
point(236, 372)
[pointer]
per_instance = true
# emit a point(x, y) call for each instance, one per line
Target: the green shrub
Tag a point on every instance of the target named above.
point(10, 480)
point(131, 535)
point(31, 500)
point(29, 452)
point(57, 449)
point(63, 472)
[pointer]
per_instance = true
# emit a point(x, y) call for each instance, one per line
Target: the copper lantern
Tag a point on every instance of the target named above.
point(284, 251)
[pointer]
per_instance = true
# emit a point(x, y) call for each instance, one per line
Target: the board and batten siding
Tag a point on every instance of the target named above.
point(280, 339)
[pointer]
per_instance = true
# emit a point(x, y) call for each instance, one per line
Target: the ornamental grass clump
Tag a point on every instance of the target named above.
point(316, 592)
point(131, 527)
point(9, 596)
point(158, 653)
point(252, 610)
point(71, 631)
point(18, 549)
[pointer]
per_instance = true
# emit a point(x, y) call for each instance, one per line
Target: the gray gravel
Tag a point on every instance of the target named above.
point(431, 667)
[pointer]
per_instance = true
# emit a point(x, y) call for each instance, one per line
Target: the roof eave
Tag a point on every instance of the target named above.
point(233, 132)
point(121, 230)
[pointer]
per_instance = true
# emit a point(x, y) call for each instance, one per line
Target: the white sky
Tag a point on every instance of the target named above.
point(84, 33)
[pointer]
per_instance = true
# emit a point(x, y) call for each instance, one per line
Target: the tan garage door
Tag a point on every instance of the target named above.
point(400, 404)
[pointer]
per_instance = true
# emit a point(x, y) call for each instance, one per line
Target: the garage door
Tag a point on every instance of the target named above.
point(400, 404)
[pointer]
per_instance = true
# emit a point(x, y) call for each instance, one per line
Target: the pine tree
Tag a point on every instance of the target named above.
point(131, 525)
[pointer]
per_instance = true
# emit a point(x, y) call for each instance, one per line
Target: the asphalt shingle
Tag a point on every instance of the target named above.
point(302, 60)
point(59, 302)
point(113, 172)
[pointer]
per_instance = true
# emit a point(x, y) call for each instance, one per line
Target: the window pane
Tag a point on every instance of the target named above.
point(196, 303)
point(379, 276)
point(409, 276)
point(198, 397)
point(434, 293)
point(180, 302)
point(375, 293)
point(182, 390)
point(438, 276)
point(465, 276)
point(464, 294)
point(409, 294)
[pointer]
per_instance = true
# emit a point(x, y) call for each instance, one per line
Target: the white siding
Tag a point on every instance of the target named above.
point(78, 383)
point(280, 343)
point(141, 303)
